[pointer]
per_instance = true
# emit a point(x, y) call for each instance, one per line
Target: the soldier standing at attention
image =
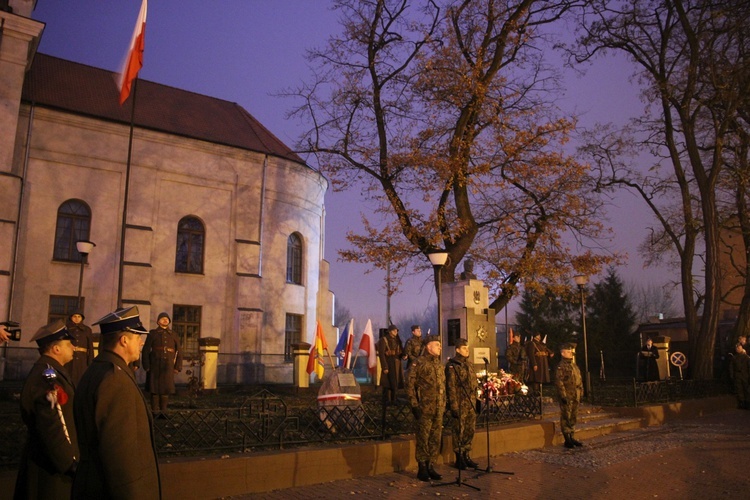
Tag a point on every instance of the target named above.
point(83, 351)
point(118, 457)
point(569, 390)
point(162, 358)
point(538, 355)
point(517, 358)
point(461, 389)
point(49, 459)
point(426, 390)
point(414, 346)
point(741, 376)
point(390, 352)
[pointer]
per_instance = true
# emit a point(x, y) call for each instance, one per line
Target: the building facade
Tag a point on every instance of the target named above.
point(203, 213)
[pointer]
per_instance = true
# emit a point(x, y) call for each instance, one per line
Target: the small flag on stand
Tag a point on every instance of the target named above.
point(367, 344)
point(134, 57)
point(315, 362)
point(344, 345)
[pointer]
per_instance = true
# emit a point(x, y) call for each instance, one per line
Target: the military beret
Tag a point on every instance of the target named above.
point(51, 332)
point(163, 315)
point(431, 338)
point(392, 328)
point(125, 319)
point(461, 343)
point(568, 345)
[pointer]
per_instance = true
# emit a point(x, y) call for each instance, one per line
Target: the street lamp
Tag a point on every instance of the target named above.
point(438, 260)
point(581, 280)
point(84, 248)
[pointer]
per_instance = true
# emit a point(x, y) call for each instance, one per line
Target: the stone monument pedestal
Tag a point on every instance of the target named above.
point(468, 315)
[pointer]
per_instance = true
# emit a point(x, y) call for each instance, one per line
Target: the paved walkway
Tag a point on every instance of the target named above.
point(703, 458)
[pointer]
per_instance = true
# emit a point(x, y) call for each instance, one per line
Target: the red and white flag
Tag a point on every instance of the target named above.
point(134, 57)
point(367, 344)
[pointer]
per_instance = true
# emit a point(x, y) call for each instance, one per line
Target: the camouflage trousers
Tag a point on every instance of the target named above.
point(463, 428)
point(429, 433)
point(568, 416)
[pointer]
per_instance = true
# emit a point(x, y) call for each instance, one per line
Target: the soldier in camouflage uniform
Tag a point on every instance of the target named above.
point(414, 346)
point(426, 390)
point(461, 389)
point(517, 358)
point(569, 390)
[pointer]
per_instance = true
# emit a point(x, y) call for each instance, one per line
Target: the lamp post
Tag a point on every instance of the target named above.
point(581, 280)
point(84, 248)
point(438, 260)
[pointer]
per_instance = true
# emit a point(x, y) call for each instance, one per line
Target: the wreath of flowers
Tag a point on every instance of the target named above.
point(499, 384)
point(57, 396)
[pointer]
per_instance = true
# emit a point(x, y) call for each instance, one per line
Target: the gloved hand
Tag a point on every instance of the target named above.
point(416, 412)
point(563, 401)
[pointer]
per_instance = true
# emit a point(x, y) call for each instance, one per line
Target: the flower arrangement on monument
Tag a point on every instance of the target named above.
point(493, 385)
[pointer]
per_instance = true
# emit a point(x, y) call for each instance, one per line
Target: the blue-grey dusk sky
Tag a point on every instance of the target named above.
point(245, 51)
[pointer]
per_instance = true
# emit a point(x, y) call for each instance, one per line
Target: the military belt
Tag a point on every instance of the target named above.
point(165, 349)
point(80, 349)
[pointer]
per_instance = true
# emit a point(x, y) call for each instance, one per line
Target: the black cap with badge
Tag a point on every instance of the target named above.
point(51, 332)
point(122, 320)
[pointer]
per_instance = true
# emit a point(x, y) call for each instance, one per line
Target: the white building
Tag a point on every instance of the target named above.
point(224, 223)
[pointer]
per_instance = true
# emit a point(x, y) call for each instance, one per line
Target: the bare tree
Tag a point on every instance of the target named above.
point(441, 115)
point(692, 106)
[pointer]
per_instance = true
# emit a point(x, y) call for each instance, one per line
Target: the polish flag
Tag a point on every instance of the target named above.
point(134, 57)
point(367, 344)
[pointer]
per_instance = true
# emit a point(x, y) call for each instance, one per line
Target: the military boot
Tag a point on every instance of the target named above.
point(469, 462)
point(432, 472)
point(574, 440)
point(568, 442)
point(422, 474)
point(460, 462)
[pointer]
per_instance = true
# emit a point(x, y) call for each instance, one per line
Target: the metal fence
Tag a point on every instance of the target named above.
point(630, 392)
point(266, 421)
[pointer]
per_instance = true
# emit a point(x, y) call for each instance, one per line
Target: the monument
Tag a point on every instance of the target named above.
point(468, 315)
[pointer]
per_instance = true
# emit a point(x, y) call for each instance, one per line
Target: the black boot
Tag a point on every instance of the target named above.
point(574, 440)
point(422, 474)
point(568, 442)
point(469, 462)
point(432, 472)
point(460, 462)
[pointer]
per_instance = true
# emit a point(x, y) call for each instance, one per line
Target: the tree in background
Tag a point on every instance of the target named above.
point(550, 315)
point(610, 323)
point(691, 60)
point(441, 113)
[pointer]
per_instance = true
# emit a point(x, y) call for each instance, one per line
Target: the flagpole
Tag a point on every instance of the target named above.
point(127, 190)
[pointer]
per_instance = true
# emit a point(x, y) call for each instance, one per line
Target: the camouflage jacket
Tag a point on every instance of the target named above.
point(568, 380)
point(413, 349)
point(426, 384)
point(461, 383)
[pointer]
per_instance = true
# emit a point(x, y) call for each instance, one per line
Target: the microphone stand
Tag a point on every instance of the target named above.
point(458, 479)
point(488, 470)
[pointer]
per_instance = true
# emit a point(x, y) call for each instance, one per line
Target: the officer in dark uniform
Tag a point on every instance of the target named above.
point(539, 356)
point(83, 351)
point(648, 355)
point(162, 358)
point(461, 388)
point(569, 391)
point(118, 457)
point(426, 390)
point(50, 456)
point(740, 372)
point(390, 352)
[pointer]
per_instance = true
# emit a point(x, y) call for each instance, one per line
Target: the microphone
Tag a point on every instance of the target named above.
point(486, 361)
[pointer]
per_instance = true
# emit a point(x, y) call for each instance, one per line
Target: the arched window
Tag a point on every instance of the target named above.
point(294, 259)
point(73, 224)
point(190, 237)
